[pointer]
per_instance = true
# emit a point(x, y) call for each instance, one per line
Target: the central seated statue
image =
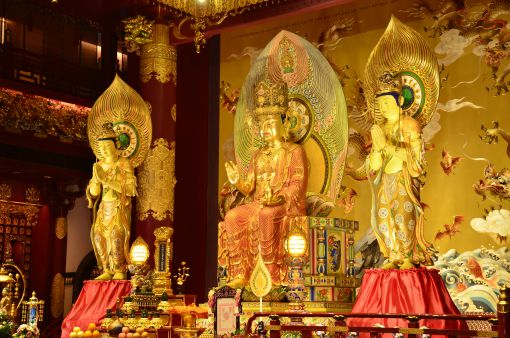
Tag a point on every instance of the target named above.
point(276, 187)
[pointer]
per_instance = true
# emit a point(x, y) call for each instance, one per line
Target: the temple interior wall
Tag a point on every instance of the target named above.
point(468, 100)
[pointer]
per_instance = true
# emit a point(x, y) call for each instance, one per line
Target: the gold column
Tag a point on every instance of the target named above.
point(162, 258)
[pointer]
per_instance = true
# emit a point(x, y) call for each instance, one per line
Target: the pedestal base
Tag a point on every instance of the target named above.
point(414, 291)
point(94, 299)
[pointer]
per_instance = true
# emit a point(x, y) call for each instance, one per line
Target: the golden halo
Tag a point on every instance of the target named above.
point(122, 106)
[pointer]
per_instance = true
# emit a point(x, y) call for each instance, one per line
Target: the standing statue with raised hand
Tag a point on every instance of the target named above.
point(276, 184)
point(120, 131)
point(401, 87)
point(109, 192)
point(397, 159)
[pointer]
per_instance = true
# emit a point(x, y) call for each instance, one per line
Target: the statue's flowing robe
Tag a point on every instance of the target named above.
point(252, 227)
point(397, 214)
point(112, 219)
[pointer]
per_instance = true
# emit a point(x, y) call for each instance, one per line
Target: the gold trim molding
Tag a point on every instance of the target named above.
point(19, 213)
point(173, 112)
point(158, 59)
point(57, 296)
point(156, 182)
point(61, 227)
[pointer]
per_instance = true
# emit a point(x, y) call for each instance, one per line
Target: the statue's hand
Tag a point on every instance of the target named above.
point(232, 172)
point(99, 173)
point(278, 200)
point(378, 137)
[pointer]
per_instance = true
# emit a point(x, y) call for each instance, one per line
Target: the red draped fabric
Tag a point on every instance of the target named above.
point(413, 291)
point(95, 298)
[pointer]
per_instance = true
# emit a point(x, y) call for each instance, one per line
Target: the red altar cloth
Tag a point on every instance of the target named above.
point(413, 291)
point(94, 299)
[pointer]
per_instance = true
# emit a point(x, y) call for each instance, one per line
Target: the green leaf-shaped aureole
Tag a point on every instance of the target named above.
point(260, 279)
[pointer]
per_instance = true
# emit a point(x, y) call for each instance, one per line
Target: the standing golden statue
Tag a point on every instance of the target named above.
point(6, 304)
point(276, 184)
point(397, 159)
point(120, 131)
point(401, 86)
point(112, 186)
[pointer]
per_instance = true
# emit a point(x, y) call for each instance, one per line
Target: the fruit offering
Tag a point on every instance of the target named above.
point(91, 332)
point(139, 332)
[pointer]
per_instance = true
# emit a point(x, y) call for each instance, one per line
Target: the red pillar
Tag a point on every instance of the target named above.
point(156, 175)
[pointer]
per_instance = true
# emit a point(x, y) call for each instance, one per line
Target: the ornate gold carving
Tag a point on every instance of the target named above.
point(211, 8)
point(156, 182)
point(159, 59)
point(57, 295)
point(137, 31)
point(32, 195)
point(21, 111)
point(61, 227)
point(163, 233)
point(173, 112)
point(6, 190)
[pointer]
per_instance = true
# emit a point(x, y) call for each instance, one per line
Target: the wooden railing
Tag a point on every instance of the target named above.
point(47, 72)
point(497, 325)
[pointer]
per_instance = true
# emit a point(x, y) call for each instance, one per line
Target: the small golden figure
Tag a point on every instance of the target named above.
point(276, 182)
point(109, 193)
point(6, 302)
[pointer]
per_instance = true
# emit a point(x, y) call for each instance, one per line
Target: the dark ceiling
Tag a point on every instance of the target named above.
point(112, 11)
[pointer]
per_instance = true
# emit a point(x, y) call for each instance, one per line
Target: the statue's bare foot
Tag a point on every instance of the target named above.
point(119, 276)
point(237, 283)
point(389, 265)
point(407, 264)
point(104, 276)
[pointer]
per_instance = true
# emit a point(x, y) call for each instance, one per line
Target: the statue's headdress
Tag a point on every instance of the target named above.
point(107, 133)
point(389, 84)
point(271, 98)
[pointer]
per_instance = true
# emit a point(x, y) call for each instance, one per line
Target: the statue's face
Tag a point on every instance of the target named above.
point(271, 128)
point(107, 149)
point(388, 107)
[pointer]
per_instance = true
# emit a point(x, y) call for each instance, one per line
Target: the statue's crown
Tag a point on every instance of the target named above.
point(107, 133)
point(389, 84)
point(271, 98)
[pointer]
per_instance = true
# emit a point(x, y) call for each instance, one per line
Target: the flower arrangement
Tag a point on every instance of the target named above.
point(6, 326)
point(25, 330)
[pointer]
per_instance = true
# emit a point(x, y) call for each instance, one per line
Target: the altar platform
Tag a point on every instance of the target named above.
point(413, 291)
point(94, 299)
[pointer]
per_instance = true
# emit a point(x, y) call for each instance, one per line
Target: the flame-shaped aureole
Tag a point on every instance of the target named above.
point(260, 279)
point(402, 50)
point(122, 106)
point(316, 105)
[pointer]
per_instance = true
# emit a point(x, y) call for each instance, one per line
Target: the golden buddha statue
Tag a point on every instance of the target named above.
point(6, 302)
point(276, 185)
point(396, 158)
point(109, 193)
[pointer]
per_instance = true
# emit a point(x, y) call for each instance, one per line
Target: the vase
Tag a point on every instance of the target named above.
point(188, 320)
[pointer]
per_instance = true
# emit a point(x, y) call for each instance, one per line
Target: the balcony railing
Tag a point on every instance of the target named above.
point(51, 73)
point(497, 325)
